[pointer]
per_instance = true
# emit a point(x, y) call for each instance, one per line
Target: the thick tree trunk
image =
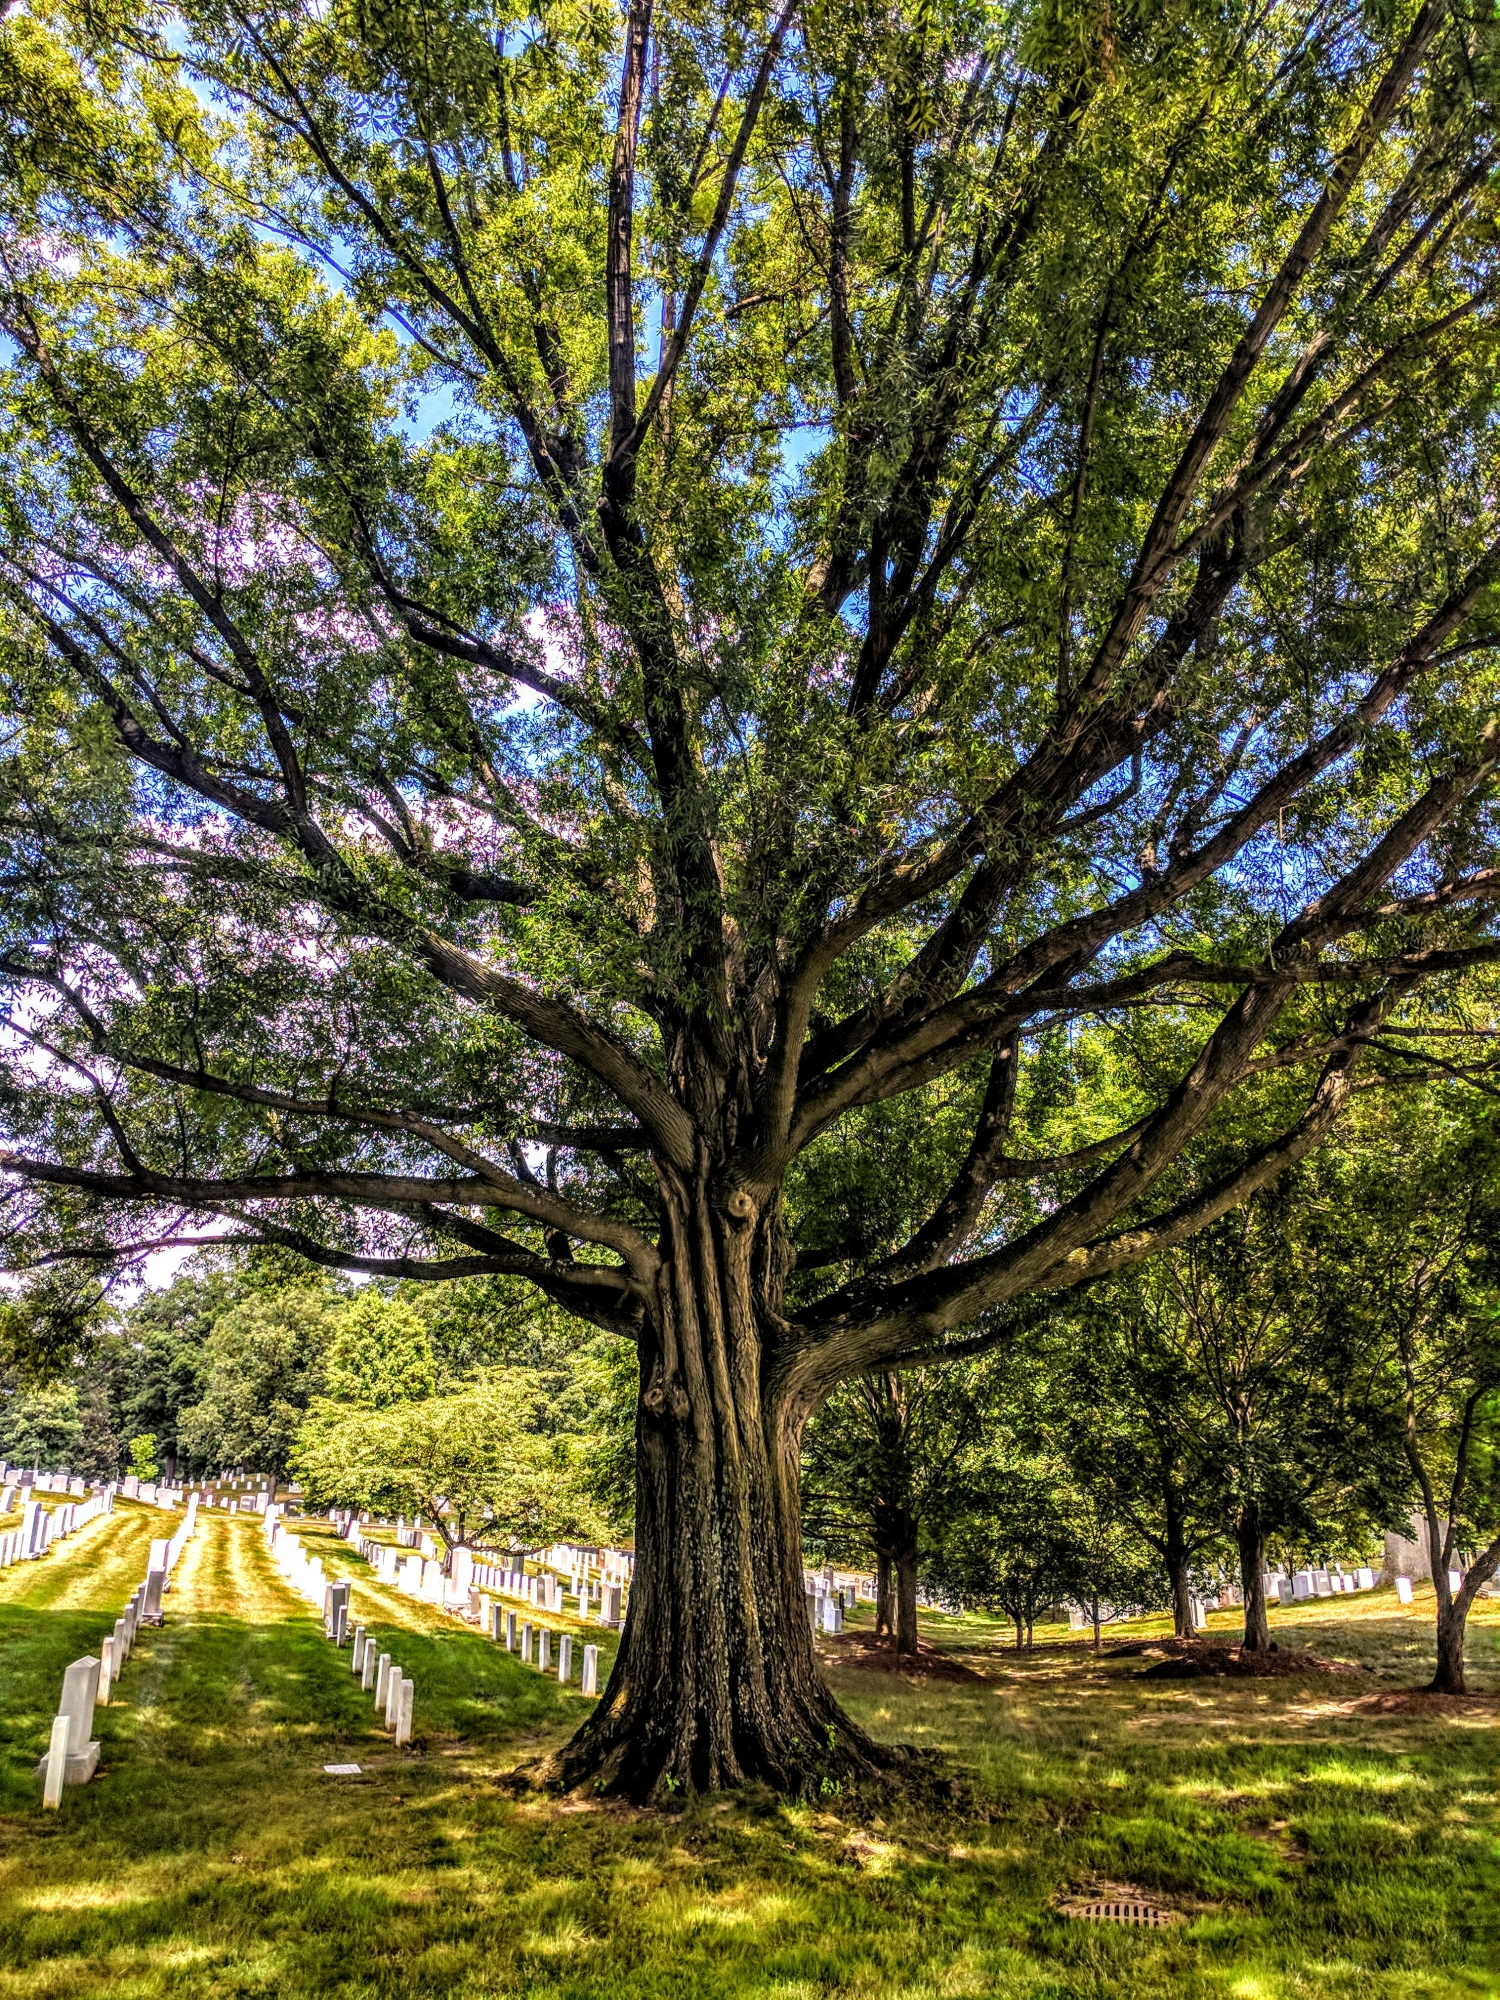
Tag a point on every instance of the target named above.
point(1094, 1608)
point(1176, 1557)
point(1452, 1621)
point(906, 1595)
point(1252, 1543)
point(885, 1608)
point(715, 1682)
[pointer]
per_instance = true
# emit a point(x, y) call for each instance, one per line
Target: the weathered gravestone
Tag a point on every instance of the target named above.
point(590, 1681)
point(80, 1691)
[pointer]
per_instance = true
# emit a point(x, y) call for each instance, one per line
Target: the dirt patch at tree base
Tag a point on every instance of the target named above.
point(859, 1650)
point(1423, 1702)
point(1188, 1659)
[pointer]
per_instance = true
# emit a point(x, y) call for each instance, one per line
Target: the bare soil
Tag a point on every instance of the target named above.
point(1193, 1659)
point(1422, 1702)
point(858, 1649)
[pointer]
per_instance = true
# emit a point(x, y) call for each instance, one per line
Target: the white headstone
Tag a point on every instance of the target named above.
point(526, 1644)
point(404, 1695)
point(382, 1679)
point(565, 1658)
point(591, 1669)
point(56, 1764)
point(80, 1692)
point(1403, 1590)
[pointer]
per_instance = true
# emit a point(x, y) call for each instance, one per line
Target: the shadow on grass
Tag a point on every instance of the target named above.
point(1309, 1849)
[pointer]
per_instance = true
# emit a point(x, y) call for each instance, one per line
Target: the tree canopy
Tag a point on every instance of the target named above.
point(601, 612)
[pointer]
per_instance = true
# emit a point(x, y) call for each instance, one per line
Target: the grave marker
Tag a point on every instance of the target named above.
point(79, 1692)
point(404, 1695)
point(55, 1765)
point(1403, 1590)
point(590, 1670)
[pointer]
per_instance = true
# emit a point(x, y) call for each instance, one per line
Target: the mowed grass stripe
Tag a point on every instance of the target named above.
point(52, 1612)
point(1328, 1854)
point(472, 1696)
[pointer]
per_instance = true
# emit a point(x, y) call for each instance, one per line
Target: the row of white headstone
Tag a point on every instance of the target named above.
point(1303, 1584)
point(533, 1643)
point(14, 1477)
point(460, 1596)
point(394, 1691)
point(467, 1580)
point(72, 1755)
point(41, 1527)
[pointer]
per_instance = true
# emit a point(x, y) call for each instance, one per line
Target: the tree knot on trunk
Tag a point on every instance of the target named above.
point(740, 1208)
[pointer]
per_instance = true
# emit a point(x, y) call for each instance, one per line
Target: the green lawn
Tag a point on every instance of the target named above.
point(1315, 1847)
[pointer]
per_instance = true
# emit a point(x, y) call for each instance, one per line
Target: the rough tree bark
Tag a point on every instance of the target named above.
point(885, 1615)
point(906, 1598)
point(1453, 1606)
point(1250, 1534)
point(1174, 1553)
point(716, 1680)
point(895, 1536)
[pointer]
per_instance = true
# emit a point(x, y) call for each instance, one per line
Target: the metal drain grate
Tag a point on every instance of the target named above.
point(1121, 1913)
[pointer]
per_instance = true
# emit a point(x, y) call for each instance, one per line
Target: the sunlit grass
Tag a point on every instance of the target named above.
point(1316, 1849)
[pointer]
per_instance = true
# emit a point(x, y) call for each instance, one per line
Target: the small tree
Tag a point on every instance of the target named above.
point(1104, 1559)
point(143, 1461)
point(480, 1461)
point(1407, 1241)
point(883, 1464)
point(1009, 1549)
point(1126, 1417)
point(1271, 1406)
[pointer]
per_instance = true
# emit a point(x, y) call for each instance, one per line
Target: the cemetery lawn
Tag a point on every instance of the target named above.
point(1316, 1837)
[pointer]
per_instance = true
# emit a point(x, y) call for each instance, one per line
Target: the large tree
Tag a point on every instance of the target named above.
point(589, 603)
